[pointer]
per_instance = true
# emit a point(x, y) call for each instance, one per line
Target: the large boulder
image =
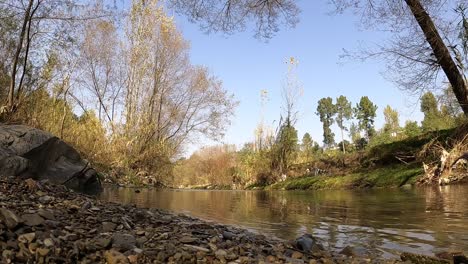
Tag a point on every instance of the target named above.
point(32, 153)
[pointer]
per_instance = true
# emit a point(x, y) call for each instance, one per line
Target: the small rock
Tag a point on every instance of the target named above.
point(188, 240)
point(348, 251)
point(7, 255)
point(48, 242)
point(166, 218)
point(307, 243)
point(228, 235)
point(43, 251)
point(123, 241)
point(133, 258)
point(46, 214)
point(9, 218)
point(297, 255)
point(138, 250)
point(32, 247)
point(103, 242)
point(271, 259)
point(86, 205)
point(27, 238)
point(115, 257)
point(197, 248)
point(108, 226)
point(32, 219)
point(415, 258)
point(45, 199)
point(32, 184)
point(220, 254)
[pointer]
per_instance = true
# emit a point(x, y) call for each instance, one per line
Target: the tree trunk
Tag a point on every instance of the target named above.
point(441, 52)
point(342, 141)
point(11, 93)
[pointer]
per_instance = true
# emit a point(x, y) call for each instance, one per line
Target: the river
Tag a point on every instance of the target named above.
point(378, 222)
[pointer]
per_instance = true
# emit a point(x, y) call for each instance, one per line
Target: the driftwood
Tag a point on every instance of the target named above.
point(442, 172)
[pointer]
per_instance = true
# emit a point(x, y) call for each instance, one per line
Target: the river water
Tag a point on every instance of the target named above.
point(379, 222)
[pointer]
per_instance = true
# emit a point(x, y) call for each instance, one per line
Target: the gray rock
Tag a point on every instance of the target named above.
point(32, 219)
point(45, 199)
point(123, 241)
point(307, 243)
point(32, 153)
point(9, 218)
point(46, 214)
point(228, 235)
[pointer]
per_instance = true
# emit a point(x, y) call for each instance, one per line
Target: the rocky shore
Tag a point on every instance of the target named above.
point(45, 223)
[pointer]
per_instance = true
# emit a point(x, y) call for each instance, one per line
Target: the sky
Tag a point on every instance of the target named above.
point(247, 65)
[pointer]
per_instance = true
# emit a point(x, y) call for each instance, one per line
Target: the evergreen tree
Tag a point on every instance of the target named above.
point(365, 113)
point(326, 110)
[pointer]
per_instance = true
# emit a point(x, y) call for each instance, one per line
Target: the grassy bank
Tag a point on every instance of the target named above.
point(392, 176)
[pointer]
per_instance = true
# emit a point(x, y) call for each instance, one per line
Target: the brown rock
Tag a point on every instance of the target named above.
point(27, 238)
point(297, 255)
point(108, 226)
point(9, 218)
point(32, 185)
point(115, 257)
point(188, 240)
point(133, 258)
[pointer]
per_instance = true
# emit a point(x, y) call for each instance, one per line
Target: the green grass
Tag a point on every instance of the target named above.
point(392, 176)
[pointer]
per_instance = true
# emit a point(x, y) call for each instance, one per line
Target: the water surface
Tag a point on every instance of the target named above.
point(377, 222)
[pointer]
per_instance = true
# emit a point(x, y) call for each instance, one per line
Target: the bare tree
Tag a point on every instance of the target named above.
point(168, 100)
point(426, 39)
point(232, 15)
point(99, 54)
point(44, 26)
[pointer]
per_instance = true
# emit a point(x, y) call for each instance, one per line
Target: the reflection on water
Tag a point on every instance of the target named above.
point(377, 222)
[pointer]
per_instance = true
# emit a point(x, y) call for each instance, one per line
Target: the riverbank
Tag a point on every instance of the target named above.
point(45, 223)
point(390, 177)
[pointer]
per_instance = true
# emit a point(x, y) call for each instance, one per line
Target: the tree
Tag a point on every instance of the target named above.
point(42, 26)
point(344, 112)
point(285, 147)
point(392, 124)
point(229, 15)
point(99, 52)
point(412, 129)
point(434, 119)
point(307, 146)
point(354, 133)
point(420, 48)
point(365, 113)
point(286, 138)
point(168, 101)
point(326, 110)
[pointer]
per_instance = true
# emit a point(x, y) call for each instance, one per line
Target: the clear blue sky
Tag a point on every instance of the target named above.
point(247, 65)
